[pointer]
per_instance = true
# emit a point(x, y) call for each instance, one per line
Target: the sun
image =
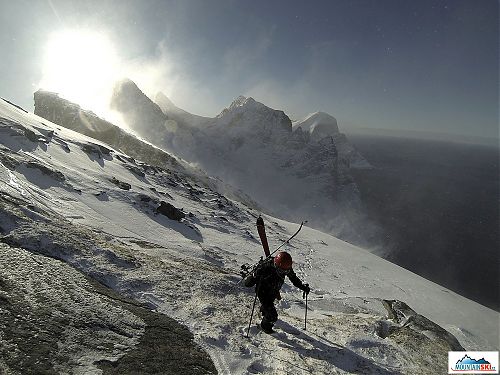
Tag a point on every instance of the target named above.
point(81, 66)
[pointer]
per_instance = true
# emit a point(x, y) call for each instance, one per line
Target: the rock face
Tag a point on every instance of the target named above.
point(59, 315)
point(53, 319)
point(247, 117)
point(69, 115)
point(142, 115)
point(407, 319)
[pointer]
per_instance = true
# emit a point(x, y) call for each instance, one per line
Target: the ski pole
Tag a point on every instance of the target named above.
point(288, 241)
point(305, 319)
point(253, 308)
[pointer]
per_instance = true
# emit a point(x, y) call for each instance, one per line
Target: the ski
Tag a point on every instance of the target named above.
point(262, 234)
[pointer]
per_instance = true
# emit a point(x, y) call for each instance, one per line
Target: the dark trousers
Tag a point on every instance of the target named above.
point(269, 313)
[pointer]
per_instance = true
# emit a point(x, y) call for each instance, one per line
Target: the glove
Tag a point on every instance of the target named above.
point(306, 289)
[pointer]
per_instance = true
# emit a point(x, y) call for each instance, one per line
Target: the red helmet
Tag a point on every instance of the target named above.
point(283, 260)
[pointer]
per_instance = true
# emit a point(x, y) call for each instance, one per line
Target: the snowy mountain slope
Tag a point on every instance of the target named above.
point(178, 114)
point(319, 125)
point(61, 111)
point(254, 148)
point(92, 212)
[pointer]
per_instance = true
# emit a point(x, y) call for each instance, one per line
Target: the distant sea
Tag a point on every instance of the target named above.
point(438, 205)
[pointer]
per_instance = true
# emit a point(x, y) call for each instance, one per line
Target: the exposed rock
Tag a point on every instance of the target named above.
point(251, 144)
point(249, 116)
point(9, 158)
point(121, 184)
point(406, 318)
point(56, 175)
point(170, 211)
point(55, 320)
point(135, 170)
point(90, 149)
point(319, 125)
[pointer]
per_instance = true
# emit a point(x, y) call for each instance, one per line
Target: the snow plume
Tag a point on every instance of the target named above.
point(157, 73)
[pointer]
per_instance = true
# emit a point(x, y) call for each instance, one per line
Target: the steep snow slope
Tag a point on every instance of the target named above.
point(62, 198)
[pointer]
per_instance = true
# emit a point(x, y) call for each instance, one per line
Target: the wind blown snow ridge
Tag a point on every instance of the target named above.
point(137, 243)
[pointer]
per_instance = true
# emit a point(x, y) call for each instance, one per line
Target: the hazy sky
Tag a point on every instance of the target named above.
point(397, 64)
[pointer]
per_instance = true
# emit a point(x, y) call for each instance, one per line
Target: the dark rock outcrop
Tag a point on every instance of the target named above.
point(122, 185)
point(56, 175)
point(170, 211)
point(407, 319)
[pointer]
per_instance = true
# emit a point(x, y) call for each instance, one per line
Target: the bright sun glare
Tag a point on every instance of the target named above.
point(81, 66)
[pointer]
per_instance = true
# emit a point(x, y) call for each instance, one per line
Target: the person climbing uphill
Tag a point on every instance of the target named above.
point(268, 279)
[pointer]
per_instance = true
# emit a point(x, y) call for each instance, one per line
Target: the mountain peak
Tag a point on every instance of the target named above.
point(318, 125)
point(140, 113)
point(251, 114)
point(246, 104)
point(243, 101)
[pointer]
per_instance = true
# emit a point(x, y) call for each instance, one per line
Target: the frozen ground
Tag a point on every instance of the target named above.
point(73, 199)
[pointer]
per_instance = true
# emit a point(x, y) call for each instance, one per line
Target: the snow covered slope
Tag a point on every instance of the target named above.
point(75, 199)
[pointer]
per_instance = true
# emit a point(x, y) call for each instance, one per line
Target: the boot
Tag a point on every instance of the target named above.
point(266, 326)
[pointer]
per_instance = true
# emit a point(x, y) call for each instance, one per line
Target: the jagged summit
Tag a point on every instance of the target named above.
point(141, 114)
point(242, 101)
point(249, 113)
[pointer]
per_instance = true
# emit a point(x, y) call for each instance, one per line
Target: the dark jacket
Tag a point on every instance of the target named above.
point(269, 282)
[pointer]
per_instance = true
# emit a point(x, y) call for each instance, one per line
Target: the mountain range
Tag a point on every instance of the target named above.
point(295, 171)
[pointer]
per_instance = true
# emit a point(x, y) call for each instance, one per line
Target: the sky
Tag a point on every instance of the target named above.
point(391, 64)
